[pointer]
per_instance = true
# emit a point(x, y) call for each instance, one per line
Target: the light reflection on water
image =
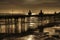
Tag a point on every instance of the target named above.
point(29, 37)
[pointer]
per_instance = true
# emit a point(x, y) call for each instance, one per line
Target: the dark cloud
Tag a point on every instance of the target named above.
point(30, 4)
point(30, 1)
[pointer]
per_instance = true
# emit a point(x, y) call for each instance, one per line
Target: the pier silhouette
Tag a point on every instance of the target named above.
point(13, 19)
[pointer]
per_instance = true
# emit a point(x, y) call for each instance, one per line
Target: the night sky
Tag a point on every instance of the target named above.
point(48, 6)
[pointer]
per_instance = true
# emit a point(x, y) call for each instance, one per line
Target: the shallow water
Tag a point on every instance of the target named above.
point(34, 36)
point(28, 37)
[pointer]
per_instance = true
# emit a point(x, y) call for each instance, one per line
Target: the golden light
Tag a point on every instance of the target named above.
point(30, 37)
point(15, 12)
point(51, 31)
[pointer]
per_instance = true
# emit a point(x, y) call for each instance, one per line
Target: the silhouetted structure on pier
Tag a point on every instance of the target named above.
point(16, 23)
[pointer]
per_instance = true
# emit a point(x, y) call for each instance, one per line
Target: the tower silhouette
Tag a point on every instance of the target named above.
point(40, 13)
point(29, 13)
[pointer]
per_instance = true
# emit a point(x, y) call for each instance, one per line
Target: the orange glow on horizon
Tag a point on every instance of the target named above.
point(34, 12)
